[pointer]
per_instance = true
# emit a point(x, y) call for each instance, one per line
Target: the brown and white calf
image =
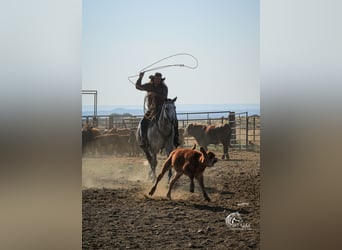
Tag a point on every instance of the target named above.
point(189, 162)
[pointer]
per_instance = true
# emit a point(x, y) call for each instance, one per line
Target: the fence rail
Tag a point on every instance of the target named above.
point(245, 129)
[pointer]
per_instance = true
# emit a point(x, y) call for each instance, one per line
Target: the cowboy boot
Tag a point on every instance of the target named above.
point(144, 125)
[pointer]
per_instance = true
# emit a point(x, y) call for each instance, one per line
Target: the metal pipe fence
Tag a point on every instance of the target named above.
point(245, 129)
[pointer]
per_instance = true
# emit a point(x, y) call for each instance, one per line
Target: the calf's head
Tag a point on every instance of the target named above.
point(209, 157)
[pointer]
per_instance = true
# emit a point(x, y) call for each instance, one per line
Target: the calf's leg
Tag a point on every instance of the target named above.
point(174, 179)
point(192, 185)
point(225, 150)
point(199, 178)
point(166, 166)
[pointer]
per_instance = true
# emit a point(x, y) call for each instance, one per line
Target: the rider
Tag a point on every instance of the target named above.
point(156, 95)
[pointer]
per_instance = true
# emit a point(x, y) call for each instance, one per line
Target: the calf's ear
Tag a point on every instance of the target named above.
point(203, 150)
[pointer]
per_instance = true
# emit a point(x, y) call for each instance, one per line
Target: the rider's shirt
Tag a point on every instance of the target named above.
point(156, 95)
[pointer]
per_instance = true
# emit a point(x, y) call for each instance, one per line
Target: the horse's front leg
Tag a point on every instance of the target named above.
point(154, 164)
point(150, 160)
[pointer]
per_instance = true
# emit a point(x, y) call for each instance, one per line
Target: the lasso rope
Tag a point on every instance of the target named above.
point(146, 69)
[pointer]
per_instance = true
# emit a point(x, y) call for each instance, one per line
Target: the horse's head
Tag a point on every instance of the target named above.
point(169, 109)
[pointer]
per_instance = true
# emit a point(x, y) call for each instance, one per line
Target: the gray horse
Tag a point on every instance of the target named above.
point(160, 134)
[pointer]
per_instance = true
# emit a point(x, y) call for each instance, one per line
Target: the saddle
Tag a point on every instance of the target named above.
point(150, 118)
point(152, 115)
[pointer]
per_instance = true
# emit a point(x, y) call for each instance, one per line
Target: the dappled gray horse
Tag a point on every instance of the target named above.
point(160, 134)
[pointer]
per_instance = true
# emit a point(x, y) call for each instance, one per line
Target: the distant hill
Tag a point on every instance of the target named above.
point(106, 111)
point(252, 109)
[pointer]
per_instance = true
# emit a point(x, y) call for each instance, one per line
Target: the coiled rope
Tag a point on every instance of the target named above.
point(147, 68)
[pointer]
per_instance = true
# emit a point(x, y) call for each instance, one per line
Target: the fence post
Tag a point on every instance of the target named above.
point(95, 123)
point(254, 127)
point(232, 125)
point(246, 130)
point(111, 120)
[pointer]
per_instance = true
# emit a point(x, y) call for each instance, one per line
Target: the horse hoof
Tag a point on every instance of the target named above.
point(152, 191)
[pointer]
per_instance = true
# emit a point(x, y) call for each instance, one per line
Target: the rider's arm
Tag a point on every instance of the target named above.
point(138, 83)
point(149, 87)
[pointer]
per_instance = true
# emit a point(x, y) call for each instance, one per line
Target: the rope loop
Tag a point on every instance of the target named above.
point(148, 68)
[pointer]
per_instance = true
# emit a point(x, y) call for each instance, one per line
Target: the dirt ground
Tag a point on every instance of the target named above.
point(118, 214)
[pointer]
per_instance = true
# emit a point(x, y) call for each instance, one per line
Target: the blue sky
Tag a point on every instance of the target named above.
point(122, 37)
